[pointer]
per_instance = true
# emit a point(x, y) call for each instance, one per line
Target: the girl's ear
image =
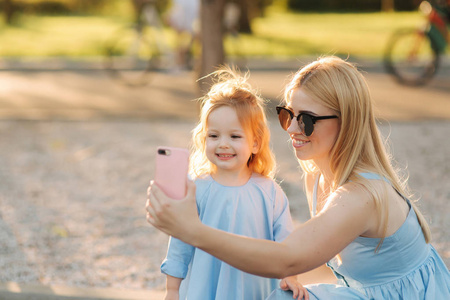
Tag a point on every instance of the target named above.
point(255, 148)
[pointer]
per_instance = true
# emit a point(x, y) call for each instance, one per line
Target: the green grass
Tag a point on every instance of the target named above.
point(360, 34)
point(280, 33)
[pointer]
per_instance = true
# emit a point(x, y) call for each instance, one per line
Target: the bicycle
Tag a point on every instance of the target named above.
point(413, 55)
point(134, 53)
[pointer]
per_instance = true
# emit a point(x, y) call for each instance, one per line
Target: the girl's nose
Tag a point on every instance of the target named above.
point(223, 143)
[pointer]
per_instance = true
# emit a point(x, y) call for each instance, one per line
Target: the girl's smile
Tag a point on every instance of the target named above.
point(223, 156)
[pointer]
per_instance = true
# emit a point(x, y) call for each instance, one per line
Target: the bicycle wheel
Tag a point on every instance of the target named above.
point(130, 56)
point(411, 57)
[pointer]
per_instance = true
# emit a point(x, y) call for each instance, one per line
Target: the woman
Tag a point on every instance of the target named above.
point(373, 238)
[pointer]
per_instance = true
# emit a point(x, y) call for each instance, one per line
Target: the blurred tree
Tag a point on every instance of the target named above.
point(138, 5)
point(387, 5)
point(211, 27)
point(8, 10)
point(250, 9)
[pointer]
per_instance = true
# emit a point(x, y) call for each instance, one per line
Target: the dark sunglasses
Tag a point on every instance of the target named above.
point(305, 121)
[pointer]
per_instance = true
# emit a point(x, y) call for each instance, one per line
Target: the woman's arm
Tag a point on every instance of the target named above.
point(321, 274)
point(348, 213)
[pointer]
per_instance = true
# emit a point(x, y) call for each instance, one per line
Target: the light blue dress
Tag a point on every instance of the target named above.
point(258, 209)
point(406, 267)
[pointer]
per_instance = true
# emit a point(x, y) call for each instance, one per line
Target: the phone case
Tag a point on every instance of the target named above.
point(172, 171)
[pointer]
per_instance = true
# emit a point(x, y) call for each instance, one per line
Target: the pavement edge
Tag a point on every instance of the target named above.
point(26, 291)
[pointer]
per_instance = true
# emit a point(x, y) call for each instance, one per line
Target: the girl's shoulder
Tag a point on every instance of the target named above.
point(202, 183)
point(263, 181)
point(202, 180)
point(265, 184)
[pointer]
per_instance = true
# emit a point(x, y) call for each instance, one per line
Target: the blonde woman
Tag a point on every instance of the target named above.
point(363, 225)
point(233, 168)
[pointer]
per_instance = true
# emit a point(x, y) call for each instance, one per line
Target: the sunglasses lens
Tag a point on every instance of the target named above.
point(306, 124)
point(285, 118)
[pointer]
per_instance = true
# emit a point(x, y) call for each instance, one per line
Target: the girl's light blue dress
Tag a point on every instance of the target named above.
point(406, 267)
point(258, 209)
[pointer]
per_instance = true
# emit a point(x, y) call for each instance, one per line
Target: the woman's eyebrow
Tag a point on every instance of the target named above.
point(301, 111)
point(307, 112)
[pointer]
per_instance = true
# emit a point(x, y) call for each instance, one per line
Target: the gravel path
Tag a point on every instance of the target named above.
point(72, 196)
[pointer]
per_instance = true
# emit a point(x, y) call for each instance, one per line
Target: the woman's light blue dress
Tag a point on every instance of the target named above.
point(405, 267)
point(258, 209)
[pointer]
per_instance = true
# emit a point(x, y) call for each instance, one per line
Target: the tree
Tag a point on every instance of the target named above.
point(250, 9)
point(8, 9)
point(211, 27)
point(387, 5)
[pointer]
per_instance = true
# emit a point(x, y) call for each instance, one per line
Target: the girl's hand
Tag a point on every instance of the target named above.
point(291, 283)
point(177, 218)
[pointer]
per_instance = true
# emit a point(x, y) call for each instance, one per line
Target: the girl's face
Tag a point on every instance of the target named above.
point(228, 145)
point(317, 146)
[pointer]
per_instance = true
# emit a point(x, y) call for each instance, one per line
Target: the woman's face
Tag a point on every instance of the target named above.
point(317, 146)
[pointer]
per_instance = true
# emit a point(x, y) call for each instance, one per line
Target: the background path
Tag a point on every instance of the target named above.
point(51, 90)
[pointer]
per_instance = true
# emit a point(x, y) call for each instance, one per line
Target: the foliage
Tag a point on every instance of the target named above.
point(349, 5)
point(55, 7)
point(279, 33)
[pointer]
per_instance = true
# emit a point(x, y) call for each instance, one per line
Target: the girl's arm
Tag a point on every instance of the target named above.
point(298, 290)
point(349, 213)
point(172, 288)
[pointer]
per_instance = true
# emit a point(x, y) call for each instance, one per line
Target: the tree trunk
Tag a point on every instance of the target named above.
point(244, 18)
point(387, 5)
point(138, 5)
point(8, 11)
point(213, 54)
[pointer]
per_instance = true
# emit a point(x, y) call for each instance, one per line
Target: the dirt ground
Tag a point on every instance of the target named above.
point(73, 195)
point(73, 190)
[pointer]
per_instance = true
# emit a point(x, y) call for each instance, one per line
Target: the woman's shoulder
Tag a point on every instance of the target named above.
point(367, 183)
point(358, 195)
point(310, 181)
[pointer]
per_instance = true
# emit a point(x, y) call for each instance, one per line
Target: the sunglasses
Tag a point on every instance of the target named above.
point(305, 121)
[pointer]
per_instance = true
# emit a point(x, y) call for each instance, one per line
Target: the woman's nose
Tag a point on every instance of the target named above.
point(294, 128)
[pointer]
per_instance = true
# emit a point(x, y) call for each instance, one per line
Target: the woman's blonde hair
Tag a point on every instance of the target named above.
point(233, 91)
point(359, 147)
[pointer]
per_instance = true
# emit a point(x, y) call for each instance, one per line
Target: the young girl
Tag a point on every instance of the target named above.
point(233, 166)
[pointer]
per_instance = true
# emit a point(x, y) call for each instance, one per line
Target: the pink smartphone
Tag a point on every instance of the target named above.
point(171, 172)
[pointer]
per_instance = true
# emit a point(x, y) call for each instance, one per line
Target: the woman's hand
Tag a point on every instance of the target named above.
point(291, 283)
point(177, 218)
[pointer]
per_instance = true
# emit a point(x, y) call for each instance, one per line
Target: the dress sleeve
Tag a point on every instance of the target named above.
point(282, 220)
point(179, 256)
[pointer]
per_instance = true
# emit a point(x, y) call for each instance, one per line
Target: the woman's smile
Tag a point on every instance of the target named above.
point(298, 143)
